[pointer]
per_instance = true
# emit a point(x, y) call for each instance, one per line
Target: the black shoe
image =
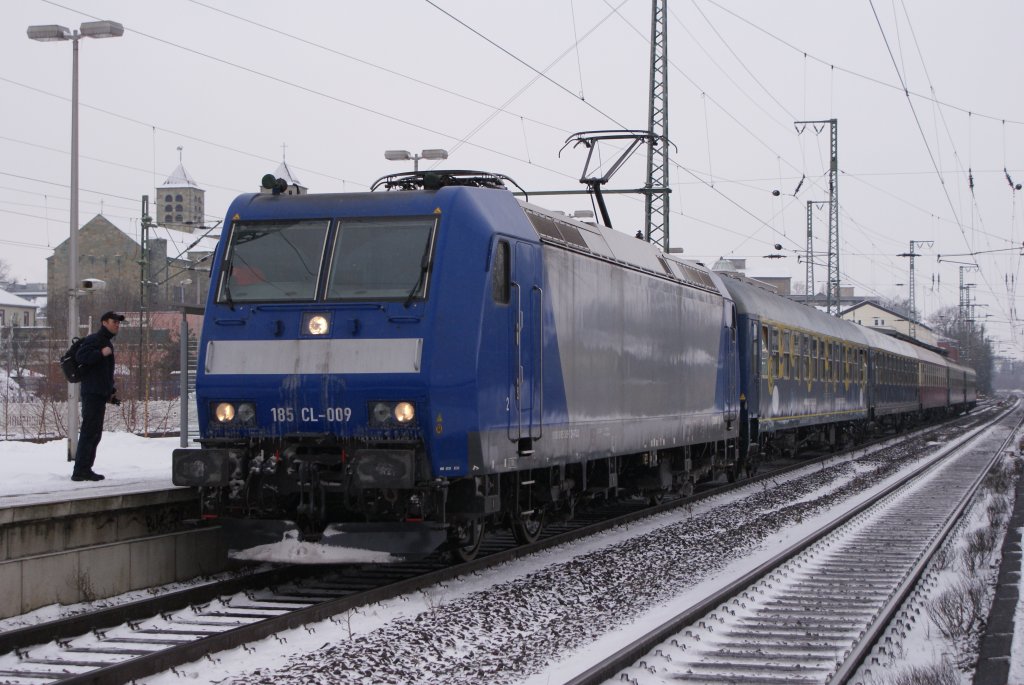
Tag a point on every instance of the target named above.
point(86, 476)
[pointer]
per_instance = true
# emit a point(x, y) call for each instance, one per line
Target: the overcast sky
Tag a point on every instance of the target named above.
point(332, 84)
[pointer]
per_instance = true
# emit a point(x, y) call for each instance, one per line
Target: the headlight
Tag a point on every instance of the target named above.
point(404, 412)
point(246, 412)
point(224, 412)
point(391, 413)
point(381, 412)
point(316, 324)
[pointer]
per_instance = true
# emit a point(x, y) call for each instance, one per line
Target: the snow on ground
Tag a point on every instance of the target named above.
point(32, 471)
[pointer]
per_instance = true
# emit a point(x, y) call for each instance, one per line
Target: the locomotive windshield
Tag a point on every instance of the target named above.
point(381, 259)
point(273, 261)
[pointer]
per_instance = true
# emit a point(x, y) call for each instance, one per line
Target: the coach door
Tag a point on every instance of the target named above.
point(527, 370)
point(732, 366)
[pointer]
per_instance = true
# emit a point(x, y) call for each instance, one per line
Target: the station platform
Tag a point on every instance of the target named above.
point(64, 545)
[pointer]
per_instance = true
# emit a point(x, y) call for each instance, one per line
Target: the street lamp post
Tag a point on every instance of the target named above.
point(47, 33)
point(400, 155)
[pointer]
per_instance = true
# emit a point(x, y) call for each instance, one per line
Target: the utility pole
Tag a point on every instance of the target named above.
point(144, 279)
point(832, 289)
point(656, 190)
point(913, 308)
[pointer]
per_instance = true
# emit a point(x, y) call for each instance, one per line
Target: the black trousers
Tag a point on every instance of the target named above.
point(93, 409)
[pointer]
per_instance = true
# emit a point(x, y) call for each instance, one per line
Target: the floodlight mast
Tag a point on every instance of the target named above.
point(46, 33)
point(405, 155)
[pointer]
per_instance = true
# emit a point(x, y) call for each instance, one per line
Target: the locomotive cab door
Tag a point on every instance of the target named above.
point(526, 363)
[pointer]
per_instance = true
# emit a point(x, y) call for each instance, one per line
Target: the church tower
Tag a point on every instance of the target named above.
point(180, 202)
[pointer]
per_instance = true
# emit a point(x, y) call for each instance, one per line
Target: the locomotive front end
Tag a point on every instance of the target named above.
point(310, 389)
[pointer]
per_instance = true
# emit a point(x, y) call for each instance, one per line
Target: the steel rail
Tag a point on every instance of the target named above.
point(864, 646)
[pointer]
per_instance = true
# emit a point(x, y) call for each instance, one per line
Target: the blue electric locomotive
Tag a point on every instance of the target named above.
point(406, 368)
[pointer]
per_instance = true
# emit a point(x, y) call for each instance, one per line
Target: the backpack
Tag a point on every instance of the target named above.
point(72, 370)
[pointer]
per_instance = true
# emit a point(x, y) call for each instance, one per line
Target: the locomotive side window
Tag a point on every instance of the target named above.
point(500, 276)
point(270, 261)
point(381, 259)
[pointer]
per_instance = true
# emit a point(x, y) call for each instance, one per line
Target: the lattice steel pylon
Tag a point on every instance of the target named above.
point(832, 289)
point(656, 212)
point(913, 287)
point(809, 252)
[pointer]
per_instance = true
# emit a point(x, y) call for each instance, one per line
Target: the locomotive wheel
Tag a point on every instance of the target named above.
point(462, 551)
point(655, 497)
point(527, 528)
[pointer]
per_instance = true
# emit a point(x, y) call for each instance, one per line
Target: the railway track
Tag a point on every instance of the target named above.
point(125, 643)
point(814, 612)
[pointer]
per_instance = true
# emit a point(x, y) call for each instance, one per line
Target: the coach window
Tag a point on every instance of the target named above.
point(500, 274)
point(795, 363)
point(821, 359)
point(764, 351)
point(382, 259)
point(794, 356)
point(786, 352)
point(816, 358)
point(273, 261)
point(807, 358)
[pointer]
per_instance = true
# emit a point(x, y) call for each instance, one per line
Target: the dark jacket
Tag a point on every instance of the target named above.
point(97, 370)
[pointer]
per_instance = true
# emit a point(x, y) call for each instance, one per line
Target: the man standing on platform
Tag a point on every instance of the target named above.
point(96, 358)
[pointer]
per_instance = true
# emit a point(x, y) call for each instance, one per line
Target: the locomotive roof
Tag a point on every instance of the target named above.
point(619, 247)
